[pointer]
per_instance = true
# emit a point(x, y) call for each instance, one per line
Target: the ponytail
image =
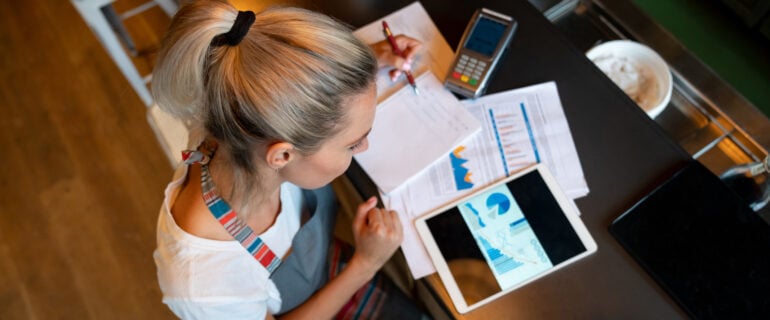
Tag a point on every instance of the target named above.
point(177, 84)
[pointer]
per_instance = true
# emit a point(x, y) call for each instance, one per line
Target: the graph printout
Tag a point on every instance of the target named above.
point(504, 236)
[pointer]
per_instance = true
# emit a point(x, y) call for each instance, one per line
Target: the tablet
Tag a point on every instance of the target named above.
point(503, 236)
point(702, 244)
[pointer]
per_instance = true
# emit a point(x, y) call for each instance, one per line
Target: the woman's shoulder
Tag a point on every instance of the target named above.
point(199, 276)
point(192, 215)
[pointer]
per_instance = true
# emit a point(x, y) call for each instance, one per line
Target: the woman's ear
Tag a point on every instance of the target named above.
point(279, 154)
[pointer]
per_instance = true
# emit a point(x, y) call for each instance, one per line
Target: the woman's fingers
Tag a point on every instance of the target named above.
point(386, 224)
point(387, 56)
point(362, 213)
point(396, 222)
point(409, 46)
point(374, 218)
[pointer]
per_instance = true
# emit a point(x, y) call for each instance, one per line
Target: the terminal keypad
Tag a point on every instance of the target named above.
point(469, 70)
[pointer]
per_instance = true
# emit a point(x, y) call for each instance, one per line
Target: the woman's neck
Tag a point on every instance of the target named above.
point(259, 204)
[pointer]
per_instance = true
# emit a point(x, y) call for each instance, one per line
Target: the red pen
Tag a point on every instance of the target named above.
point(398, 51)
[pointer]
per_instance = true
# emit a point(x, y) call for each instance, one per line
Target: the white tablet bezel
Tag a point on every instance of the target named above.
point(567, 206)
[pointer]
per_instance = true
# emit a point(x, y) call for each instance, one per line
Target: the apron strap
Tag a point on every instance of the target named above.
point(226, 216)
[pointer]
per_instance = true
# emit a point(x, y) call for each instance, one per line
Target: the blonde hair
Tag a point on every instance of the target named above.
point(285, 81)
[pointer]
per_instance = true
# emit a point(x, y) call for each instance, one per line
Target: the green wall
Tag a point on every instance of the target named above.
point(718, 38)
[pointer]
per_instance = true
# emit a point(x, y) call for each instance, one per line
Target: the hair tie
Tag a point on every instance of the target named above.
point(240, 28)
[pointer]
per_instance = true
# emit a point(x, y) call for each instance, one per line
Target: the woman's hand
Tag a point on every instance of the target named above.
point(387, 58)
point(377, 234)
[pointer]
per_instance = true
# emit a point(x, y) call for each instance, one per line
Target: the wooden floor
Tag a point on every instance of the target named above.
point(81, 175)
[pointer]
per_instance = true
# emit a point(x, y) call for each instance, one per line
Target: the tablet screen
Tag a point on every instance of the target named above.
point(504, 236)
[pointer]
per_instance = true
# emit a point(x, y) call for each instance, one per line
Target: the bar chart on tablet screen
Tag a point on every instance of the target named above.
point(504, 236)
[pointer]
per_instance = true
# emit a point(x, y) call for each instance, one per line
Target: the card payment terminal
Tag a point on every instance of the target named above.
point(485, 39)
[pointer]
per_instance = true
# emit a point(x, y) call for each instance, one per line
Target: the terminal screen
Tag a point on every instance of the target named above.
point(485, 36)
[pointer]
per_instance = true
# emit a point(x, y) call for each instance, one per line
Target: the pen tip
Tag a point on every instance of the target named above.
point(417, 92)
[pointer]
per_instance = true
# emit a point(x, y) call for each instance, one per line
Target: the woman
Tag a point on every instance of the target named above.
point(281, 101)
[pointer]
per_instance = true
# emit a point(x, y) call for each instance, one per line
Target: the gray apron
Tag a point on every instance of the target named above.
point(305, 269)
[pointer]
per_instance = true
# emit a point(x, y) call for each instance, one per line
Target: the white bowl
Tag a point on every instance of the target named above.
point(638, 70)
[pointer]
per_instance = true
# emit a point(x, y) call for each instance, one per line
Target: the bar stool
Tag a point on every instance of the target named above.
point(107, 24)
point(108, 27)
point(172, 134)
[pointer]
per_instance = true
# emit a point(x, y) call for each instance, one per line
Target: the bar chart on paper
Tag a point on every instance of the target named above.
point(460, 171)
point(514, 137)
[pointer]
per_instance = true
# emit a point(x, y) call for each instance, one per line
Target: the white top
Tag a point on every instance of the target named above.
point(210, 279)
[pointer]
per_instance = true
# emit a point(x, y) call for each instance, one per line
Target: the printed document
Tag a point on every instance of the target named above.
point(519, 127)
point(412, 131)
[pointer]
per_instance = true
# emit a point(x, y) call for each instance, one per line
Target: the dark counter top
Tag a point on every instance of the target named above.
point(623, 152)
